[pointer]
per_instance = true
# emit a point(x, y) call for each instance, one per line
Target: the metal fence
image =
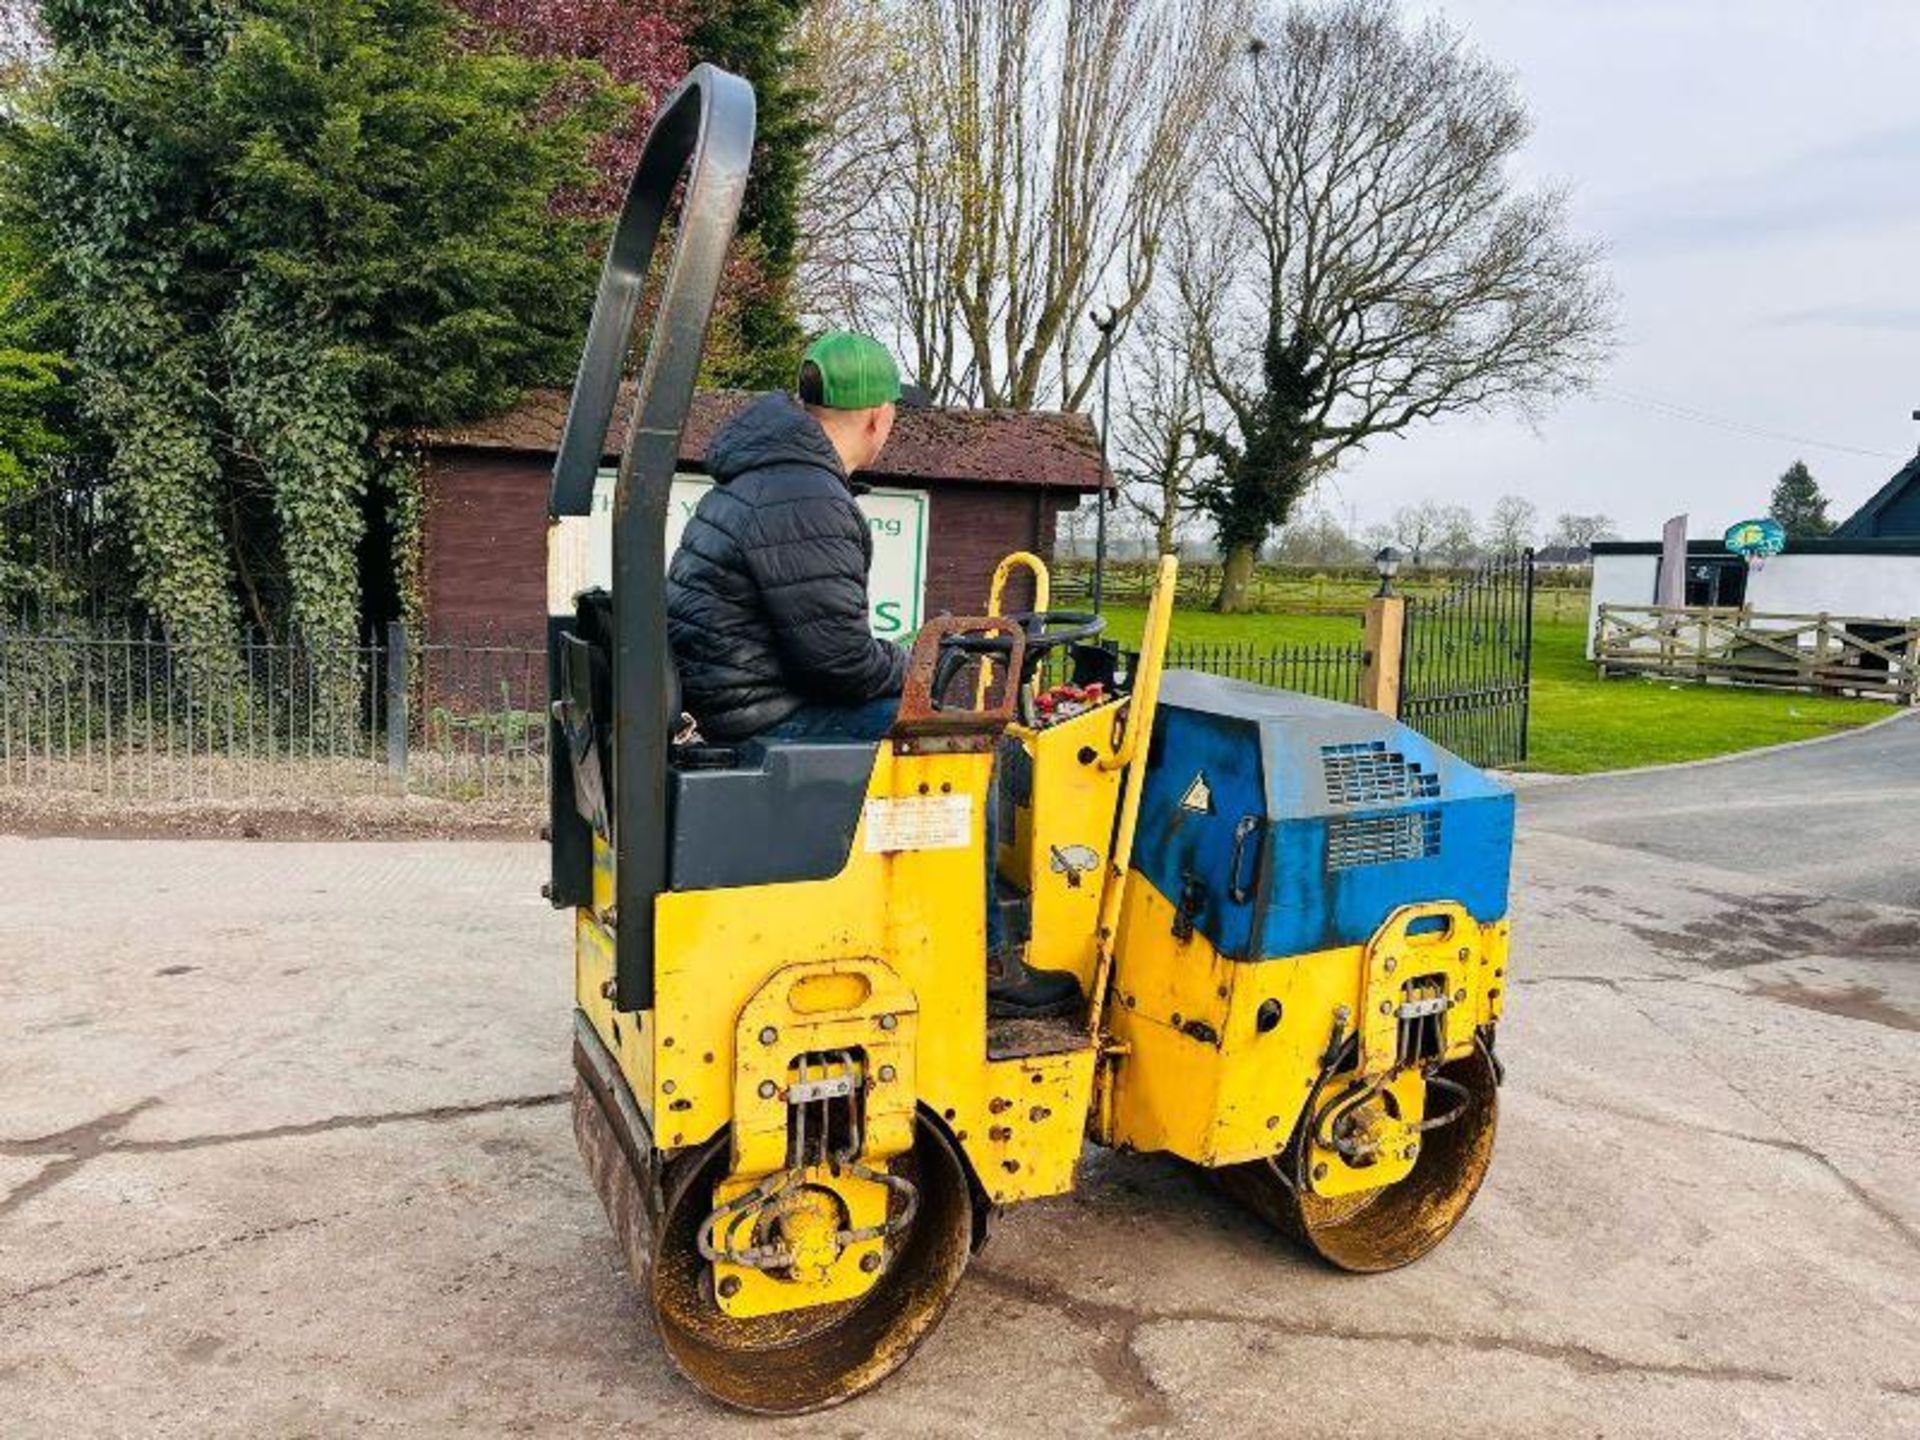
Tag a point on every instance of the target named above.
point(128, 713)
point(1327, 670)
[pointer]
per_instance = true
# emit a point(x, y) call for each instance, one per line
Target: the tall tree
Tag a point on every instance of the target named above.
point(280, 228)
point(648, 45)
point(1387, 270)
point(32, 377)
point(756, 39)
point(1159, 423)
point(1799, 505)
point(642, 44)
point(1023, 168)
point(850, 57)
point(1512, 524)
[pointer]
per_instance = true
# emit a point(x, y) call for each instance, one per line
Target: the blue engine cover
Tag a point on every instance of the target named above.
point(1335, 816)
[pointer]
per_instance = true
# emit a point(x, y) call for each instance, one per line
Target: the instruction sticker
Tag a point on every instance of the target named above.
point(920, 822)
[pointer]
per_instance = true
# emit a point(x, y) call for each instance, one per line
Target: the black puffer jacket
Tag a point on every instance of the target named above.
point(767, 594)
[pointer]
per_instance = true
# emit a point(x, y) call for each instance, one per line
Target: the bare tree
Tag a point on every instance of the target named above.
point(1390, 272)
point(1073, 531)
point(1161, 417)
point(1023, 165)
point(850, 75)
point(1416, 529)
point(1512, 524)
point(23, 45)
point(1577, 532)
point(1457, 541)
point(1316, 537)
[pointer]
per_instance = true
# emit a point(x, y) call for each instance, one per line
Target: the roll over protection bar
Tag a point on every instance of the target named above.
point(704, 131)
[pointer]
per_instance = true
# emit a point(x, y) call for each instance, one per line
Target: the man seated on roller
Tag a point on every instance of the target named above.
point(767, 594)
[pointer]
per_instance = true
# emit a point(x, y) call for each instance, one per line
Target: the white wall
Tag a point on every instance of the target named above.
point(1873, 586)
point(1620, 580)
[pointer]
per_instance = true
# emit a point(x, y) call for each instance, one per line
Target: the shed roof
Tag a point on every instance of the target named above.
point(1042, 448)
point(1885, 514)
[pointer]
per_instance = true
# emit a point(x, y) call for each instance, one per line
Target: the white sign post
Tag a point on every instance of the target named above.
point(896, 586)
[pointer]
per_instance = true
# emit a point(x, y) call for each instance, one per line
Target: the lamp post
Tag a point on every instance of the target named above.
point(1387, 563)
point(1385, 643)
point(1105, 326)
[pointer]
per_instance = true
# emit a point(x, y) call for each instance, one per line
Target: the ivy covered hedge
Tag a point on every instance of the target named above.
point(274, 231)
point(242, 241)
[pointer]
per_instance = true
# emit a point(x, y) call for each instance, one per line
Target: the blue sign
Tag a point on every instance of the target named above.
point(1756, 537)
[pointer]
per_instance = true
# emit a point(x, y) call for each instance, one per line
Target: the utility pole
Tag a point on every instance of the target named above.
point(1105, 327)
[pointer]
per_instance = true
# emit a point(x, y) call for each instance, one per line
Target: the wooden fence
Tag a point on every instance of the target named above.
point(1869, 656)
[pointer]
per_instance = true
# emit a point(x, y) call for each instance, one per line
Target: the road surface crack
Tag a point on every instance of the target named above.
point(75, 1146)
point(166, 1257)
point(1118, 1364)
point(1871, 1202)
point(1126, 1375)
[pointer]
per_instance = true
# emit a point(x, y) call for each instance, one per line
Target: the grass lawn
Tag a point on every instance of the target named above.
point(1580, 723)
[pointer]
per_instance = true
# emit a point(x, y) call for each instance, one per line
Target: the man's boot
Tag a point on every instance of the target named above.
point(1017, 991)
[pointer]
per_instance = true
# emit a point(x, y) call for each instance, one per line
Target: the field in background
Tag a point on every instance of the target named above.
point(1299, 590)
point(1580, 723)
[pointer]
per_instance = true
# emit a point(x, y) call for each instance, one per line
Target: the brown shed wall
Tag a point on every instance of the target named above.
point(486, 561)
point(486, 554)
point(971, 528)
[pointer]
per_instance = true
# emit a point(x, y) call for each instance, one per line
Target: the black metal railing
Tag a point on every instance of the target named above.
point(126, 712)
point(1467, 662)
point(1332, 671)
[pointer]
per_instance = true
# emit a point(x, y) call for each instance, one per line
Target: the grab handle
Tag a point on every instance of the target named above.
point(1236, 891)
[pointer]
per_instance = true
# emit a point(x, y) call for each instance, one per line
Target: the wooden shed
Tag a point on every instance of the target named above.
point(980, 483)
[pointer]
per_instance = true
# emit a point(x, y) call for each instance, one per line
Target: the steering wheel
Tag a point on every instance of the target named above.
point(1044, 630)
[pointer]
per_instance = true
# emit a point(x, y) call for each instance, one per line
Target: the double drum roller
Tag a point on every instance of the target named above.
point(1286, 918)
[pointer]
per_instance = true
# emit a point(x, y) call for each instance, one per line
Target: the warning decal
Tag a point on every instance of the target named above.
point(920, 822)
point(1199, 798)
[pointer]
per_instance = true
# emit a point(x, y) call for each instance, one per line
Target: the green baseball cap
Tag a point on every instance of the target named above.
point(856, 372)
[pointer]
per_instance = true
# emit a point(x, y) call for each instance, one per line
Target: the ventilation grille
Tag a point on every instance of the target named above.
point(1380, 839)
point(1367, 773)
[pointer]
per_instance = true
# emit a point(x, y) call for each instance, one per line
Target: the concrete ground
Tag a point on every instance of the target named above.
point(284, 1153)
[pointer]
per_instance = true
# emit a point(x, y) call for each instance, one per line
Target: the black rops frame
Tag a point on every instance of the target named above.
point(705, 131)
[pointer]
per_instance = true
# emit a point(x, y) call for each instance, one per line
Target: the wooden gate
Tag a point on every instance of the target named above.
point(1467, 660)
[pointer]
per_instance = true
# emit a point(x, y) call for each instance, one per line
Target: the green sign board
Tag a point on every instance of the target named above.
point(896, 586)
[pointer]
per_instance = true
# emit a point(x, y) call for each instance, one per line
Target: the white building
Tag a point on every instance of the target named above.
point(1868, 568)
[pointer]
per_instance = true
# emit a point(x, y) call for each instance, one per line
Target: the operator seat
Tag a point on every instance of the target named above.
point(762, 812)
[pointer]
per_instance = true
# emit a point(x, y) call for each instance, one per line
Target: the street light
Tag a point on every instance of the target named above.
point(1387, 562)
point(1105, 325)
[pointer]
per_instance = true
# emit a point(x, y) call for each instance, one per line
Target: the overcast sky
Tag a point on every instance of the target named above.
point(1754, 168)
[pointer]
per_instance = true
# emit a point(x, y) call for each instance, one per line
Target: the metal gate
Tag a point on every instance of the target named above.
point(1466, 661)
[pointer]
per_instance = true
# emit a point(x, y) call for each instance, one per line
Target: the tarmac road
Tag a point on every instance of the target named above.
point(282, 1151)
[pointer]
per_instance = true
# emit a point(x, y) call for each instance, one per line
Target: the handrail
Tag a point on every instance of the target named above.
point(1141, 705)
point(1042, 581)
point(1153, 654)
point(1042, 598)
point(703, 131)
